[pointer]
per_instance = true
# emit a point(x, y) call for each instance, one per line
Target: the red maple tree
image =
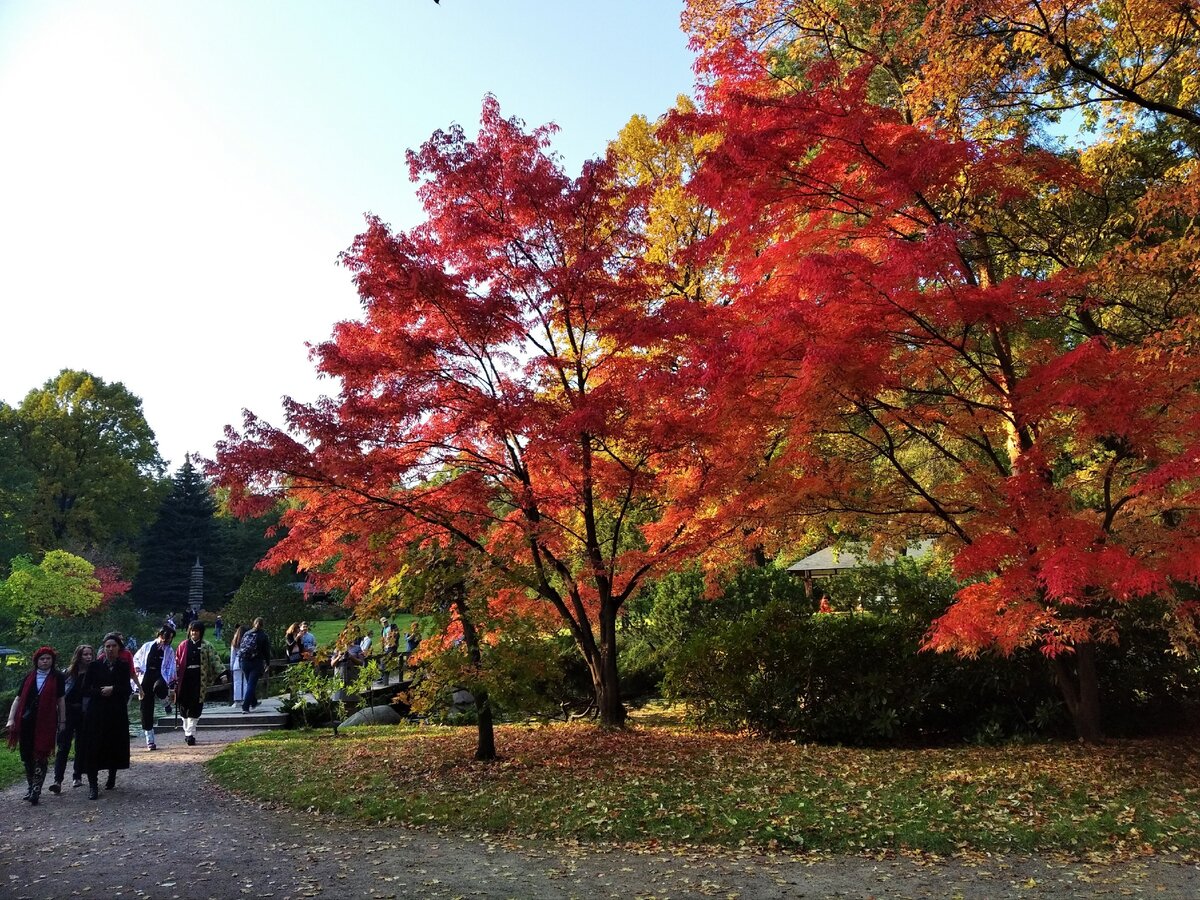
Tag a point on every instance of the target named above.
point(967, 336)
point(521, 385)
point(112, 585)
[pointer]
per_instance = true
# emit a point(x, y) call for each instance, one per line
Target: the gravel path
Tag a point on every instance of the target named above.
point(168, 832)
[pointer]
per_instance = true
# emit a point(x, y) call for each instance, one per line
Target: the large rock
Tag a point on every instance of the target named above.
point(374, 715)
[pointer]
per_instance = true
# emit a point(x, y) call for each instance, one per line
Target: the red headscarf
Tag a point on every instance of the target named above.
point(46, 728)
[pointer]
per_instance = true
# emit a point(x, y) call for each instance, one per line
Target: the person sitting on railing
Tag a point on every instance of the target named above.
point(308, 642)
point(291, 640)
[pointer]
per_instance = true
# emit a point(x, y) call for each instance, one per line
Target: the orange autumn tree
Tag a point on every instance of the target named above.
point(522, 388)
point(970, 330)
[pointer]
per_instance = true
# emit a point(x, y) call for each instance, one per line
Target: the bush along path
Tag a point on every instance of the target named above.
point(217, 842)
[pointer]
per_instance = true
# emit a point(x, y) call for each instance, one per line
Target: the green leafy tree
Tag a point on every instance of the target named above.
point(17, 480)
point(674, 609)
point(920, 588)
point(275, 598)
point(61, 585)
point(96, 463)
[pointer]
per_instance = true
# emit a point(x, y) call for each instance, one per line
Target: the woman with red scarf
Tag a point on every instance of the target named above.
point(35, 718)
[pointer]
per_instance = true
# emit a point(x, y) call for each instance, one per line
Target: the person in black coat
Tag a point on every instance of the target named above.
point(106, 715)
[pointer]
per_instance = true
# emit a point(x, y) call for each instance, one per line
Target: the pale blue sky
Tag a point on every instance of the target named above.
point(176, 180)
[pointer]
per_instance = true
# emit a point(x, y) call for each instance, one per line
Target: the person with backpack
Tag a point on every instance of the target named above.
point(254, 655)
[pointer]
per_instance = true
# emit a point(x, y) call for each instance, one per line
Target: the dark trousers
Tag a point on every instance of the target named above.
point(72, 732)
point(147, 701)
point(386, 663)
point(250, 695)
point(35, 768)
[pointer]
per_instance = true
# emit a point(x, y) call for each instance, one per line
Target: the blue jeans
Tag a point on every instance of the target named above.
point(250, 694)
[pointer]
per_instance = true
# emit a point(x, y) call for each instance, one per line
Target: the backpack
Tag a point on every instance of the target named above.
point(248, 649)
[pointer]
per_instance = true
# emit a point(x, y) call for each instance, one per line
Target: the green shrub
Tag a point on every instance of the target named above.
point(755, 659)
point(64, 635)
point(782, 672)
point(1146, 685)
point(671, 611)
point(524, 671)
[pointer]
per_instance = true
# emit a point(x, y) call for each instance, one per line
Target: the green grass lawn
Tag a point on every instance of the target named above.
point(12, 769)
point(655, 785)
point(328, 631)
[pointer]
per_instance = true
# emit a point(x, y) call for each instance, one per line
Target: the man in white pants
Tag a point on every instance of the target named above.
point(196, 670)
point(154, 670)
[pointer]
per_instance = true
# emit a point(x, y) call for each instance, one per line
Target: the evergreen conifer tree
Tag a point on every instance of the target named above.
point(182, 533)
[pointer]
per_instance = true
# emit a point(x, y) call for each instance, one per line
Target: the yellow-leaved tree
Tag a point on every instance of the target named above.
point(61, 585)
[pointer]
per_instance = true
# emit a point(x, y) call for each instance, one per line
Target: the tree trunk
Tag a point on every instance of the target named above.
point(759, 556)
point(1080, 688)
point(606, 679)
point(485, 742)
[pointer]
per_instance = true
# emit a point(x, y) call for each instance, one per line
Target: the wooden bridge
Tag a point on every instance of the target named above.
point(220, 712)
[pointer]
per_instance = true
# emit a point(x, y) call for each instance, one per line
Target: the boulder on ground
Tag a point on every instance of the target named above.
point(374, 715)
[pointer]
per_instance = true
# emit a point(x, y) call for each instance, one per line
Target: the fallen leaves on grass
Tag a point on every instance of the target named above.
point(650, 786)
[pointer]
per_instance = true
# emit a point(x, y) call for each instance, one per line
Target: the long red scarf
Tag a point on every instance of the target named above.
point(46, 727)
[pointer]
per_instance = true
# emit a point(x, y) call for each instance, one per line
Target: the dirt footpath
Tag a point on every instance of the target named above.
point(167, 832)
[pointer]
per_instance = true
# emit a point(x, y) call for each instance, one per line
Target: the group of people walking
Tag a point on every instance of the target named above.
point(188, 670)
point(87, 704)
